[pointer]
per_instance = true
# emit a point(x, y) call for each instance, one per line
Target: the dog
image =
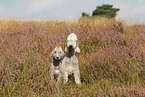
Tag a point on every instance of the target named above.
point(70, 62)
point(57, 54)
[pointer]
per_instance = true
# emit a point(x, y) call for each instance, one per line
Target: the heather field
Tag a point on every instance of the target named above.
point(112, 58)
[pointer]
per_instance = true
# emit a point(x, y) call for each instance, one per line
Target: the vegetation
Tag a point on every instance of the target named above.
point(84, 14)
point(111, 59)
point(105, 10)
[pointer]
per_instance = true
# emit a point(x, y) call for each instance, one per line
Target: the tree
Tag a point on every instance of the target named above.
point(84, 14)
point(105, 10)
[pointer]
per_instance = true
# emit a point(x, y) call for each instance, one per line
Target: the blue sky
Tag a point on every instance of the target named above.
point(132, 11)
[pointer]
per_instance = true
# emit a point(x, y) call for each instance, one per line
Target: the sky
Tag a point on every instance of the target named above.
point(131, 11)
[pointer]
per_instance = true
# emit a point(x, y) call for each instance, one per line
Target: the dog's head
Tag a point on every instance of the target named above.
point(72, 43)
point(57, 53)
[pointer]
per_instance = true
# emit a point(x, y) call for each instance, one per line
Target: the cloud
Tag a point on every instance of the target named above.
point(43, 5)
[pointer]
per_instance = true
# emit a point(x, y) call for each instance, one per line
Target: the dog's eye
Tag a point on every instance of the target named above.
point(55, 52)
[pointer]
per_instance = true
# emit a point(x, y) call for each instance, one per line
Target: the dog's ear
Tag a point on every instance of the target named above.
point(62, 52)
point(77, 50)
point(65, 48)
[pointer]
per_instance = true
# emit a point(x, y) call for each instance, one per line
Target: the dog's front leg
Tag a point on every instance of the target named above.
point(65, 77)
point(59, 78)
point(77, 77)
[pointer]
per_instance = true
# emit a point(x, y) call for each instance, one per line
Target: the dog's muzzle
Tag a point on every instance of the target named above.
point(70, 48)
point(57, 58)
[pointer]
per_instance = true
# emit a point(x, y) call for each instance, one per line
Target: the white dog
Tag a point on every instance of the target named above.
point(70, 62)
point(57, 54)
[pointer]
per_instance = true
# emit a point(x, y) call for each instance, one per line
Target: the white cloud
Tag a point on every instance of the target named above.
point(43, 5)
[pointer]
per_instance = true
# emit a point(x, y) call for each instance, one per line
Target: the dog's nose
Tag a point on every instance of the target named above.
point(57, 58)
point(70, 46)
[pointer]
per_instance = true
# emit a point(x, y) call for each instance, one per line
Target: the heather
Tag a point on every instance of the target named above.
point(111, 60)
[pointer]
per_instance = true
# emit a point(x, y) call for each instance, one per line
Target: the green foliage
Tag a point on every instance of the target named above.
point(84, 14)
point(105, 10)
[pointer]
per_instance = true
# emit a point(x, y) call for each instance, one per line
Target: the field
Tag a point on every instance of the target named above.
point(111, 62)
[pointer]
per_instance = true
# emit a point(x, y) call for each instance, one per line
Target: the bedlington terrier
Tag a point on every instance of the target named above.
point(57, 54)
point(70, 62)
